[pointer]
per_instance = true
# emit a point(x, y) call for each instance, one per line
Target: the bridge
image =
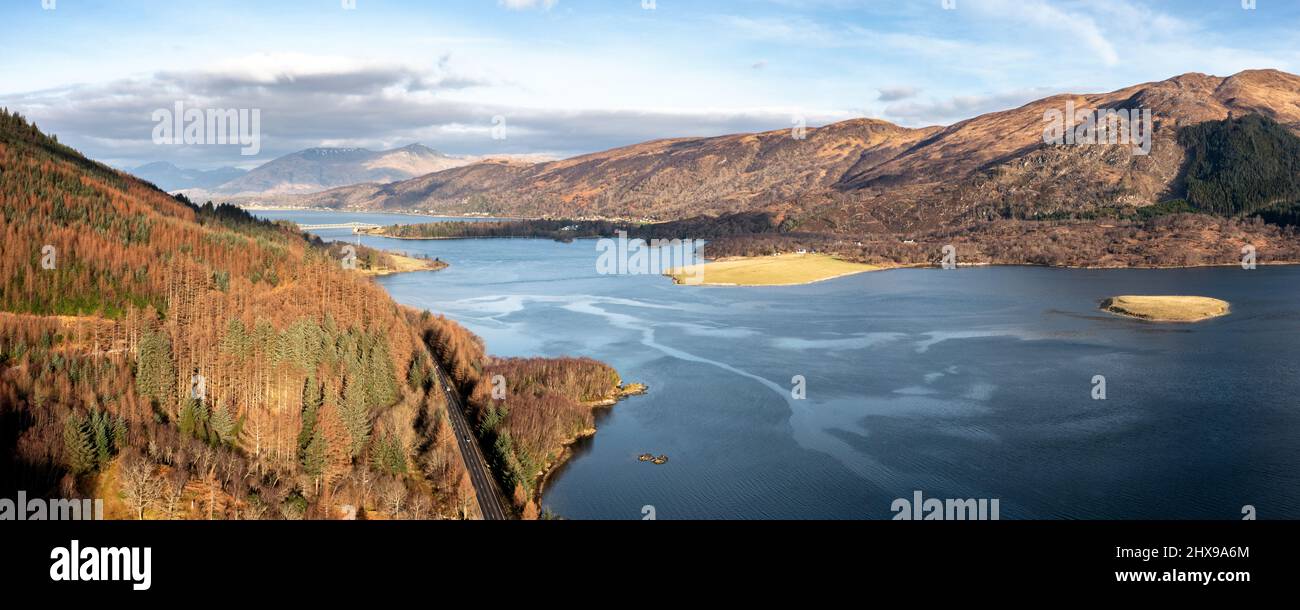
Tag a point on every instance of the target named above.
point(356, 227)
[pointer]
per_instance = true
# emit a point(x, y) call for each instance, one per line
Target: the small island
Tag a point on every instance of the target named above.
point(1167, 308)
point(375, 262)
point(399, 263)
point(779, 270)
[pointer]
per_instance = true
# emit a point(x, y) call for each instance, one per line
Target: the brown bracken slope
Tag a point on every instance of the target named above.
point(861, 175)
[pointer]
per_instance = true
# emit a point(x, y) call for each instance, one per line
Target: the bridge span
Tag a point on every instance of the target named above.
point(356, 227)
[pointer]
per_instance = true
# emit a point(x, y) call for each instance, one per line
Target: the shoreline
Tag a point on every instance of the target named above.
point(386, 236)
point(888, 266)
point(552, 467)
point(393, 212)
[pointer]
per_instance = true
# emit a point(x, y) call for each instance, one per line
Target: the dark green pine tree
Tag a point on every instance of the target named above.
point(417, 376)
point(78, 451)
point(392, 456)
point(379, 373)
point(100, 426)
point(313, 396)
point(236, 341)
point(223, 426)
point(356, 414)
point(187, 419)
point(119, 433)
point(313, 458)
point(195, 419)
point(154, 376)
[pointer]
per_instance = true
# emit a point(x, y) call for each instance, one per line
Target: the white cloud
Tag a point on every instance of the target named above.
point(894, 94)
point(520, 5)
point(961, 107)
point(308, 101)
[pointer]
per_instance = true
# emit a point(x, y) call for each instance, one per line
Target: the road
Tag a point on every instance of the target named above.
point(490, 502)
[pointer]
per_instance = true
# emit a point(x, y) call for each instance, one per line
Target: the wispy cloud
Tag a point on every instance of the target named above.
point(961, 107)
point(894, 94)
point(519, 5)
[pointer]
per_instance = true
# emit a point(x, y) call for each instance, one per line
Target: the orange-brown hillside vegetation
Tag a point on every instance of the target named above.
point(192, 361)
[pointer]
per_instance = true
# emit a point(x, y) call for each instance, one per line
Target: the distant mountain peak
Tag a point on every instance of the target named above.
point(418, 147)
point(157, 165)
point(168, 177)
point(320, 168)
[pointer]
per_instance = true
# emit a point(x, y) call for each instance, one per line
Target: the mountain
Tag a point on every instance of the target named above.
point(317, 169)
point(659, 179)
point(168, 177)
point(862, 174)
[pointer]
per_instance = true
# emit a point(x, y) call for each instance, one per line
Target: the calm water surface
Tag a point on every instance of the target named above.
point(972, 383)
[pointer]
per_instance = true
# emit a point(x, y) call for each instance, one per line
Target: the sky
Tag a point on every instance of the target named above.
point(567, 77)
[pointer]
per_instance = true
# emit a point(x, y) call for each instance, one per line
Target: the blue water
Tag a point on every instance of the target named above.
point(970, 383)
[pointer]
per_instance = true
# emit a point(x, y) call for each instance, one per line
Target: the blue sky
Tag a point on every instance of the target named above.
point(574, 76)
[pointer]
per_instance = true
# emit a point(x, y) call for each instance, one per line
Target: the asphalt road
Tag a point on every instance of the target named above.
point(490, 502)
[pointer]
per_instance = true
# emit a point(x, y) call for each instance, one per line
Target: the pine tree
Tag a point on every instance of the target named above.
point(78, 452)
point(154, 375)
point(417, 376)
point(313, 395)
point(389, 455)
point(195, 419)
point(202, 420)
point(119, 433)
point(313, 456)
point(236, 340)
point(187, 419)
point(379, 373)
point(223, 426)
point(103, 446)
point(355, 414)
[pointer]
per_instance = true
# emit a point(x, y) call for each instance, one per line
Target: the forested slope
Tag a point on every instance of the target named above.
point(184, 361)
point(1243, 165)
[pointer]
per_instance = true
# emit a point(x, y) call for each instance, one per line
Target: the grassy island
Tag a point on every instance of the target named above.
point(780, 270)
point(1167, 308)
point(398, 263)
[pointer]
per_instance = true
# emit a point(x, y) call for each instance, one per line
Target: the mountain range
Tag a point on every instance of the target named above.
point(169, 177)
point(862, 175)
point(305, 171)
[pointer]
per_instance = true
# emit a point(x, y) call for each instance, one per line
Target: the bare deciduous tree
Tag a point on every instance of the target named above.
point(140, 485)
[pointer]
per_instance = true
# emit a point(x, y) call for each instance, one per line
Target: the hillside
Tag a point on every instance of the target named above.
point(191, 361)
point(862, 175)
point(660, 179)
